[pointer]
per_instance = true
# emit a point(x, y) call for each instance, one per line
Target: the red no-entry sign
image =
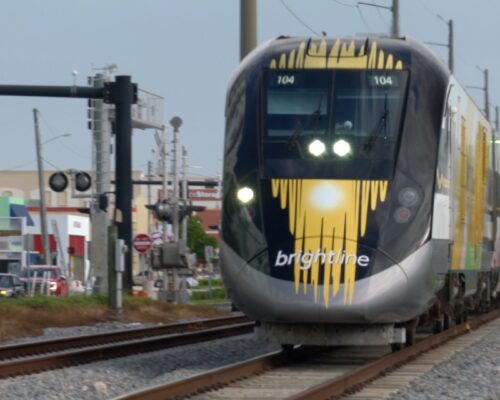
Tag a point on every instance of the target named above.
point(142, 243)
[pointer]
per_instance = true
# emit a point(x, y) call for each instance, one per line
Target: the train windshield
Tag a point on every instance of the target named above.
point(332, 115)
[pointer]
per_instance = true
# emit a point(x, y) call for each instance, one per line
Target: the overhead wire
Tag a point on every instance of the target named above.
point(298, 18)
point(380, 15)
point(54, 134)
point(358, 8)
point(367, 25)
point(19, 166)
point(344, 4)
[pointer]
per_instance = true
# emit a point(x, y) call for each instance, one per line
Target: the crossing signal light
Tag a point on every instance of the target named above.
point(83, 181)
point(164, 210)
point(58, 182)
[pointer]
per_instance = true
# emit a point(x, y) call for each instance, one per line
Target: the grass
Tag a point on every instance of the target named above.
point(29, 316)
point(214, 282)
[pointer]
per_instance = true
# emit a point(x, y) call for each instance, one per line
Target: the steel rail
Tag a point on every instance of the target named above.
point(62, 359)
point(217, 377)
point(360, 376)
point(45, 346)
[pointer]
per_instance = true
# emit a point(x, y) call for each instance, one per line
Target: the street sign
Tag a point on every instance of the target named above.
point(142, 243)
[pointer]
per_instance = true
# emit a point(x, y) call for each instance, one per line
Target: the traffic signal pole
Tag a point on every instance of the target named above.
point(122, 93)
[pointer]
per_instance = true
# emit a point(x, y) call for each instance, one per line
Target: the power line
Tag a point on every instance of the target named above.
point(380, 15)
point(363, 18)
point(54, 134)
point(344, 4)
point(298, 18)
point(365, 22)
point(51, 164)
point(19, 166)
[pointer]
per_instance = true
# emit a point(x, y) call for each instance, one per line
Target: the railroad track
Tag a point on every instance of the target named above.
point(305, 373)
point(28, 358)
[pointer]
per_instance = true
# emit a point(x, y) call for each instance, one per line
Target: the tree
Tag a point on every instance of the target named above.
point(198, 238)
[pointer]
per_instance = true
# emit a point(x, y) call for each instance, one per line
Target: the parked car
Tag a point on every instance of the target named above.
point(48, 279)
point(11, 286)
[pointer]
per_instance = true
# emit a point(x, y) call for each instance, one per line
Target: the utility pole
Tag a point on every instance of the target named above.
point(449, 45)
point(41, 185)
point(248, 27)
point(451, 57)
point(184, 192)
point(395, 14)
point(486, 94)
point(395, 18)
point(496, 119)
point(164, 166)
point(150, 175)
point(176, 122)
point(101, 145)
point(494, 183)
point(484, 88)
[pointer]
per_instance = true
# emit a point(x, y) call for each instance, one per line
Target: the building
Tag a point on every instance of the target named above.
point(14, 223)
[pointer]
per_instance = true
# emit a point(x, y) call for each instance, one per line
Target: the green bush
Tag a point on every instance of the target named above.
point(216, 294)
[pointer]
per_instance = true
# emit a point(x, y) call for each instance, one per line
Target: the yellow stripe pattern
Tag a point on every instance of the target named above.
point(341, 55)
point(334, 223)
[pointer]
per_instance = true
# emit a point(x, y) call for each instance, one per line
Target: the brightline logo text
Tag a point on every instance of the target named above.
point(306, 260)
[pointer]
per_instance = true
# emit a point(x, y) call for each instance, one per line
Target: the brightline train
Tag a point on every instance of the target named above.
point(359, 196)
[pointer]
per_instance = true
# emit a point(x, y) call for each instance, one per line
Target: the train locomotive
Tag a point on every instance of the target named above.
point(359, 192)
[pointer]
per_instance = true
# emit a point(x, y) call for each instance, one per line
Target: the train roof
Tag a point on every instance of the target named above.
point(358, 52)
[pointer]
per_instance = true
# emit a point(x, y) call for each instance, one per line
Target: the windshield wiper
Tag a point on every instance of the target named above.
point(312, 123)
point(381, 126)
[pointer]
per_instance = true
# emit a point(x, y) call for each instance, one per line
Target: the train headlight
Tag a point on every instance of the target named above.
point(341, 148)
point(408, 197)
point(316, 148)
point(245, 195)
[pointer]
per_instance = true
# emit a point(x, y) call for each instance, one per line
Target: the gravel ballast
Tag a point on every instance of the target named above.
point(470, 374)
point(110, 378)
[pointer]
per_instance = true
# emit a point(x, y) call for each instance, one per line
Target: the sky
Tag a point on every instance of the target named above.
point(186, 51)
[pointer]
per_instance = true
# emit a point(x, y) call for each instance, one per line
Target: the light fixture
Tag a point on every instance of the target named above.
point(83, 181)
point(341, 148)
point(316, 148)
point(245, 195)
point(402, 215)
point(408, 197)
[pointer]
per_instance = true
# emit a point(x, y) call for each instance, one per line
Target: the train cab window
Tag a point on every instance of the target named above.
point(368, 104)
point(323, 123)
point(297, 104)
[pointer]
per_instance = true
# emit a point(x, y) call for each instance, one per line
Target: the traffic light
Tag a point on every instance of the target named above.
point(186, 210)
point(164, 210)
